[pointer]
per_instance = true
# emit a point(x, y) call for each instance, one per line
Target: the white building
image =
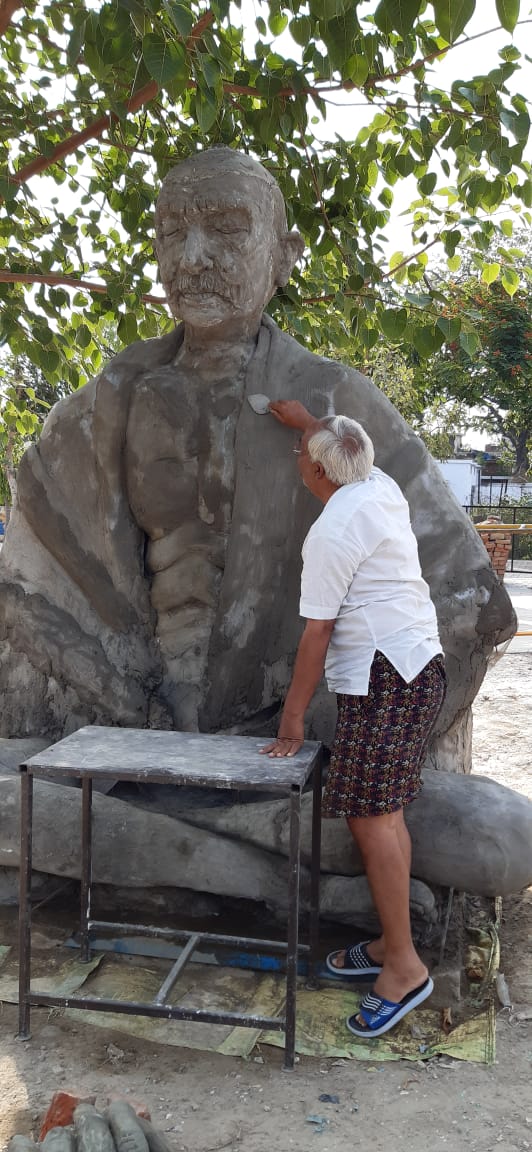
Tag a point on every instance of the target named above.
point(463, 478)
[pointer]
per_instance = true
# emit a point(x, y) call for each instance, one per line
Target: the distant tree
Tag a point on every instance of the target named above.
point(26, 397)
point(436, 419)
point(497, 380)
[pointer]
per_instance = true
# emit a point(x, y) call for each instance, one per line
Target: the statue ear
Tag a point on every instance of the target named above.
point(291, 248)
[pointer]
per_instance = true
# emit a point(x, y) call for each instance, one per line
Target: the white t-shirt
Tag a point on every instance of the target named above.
point(361, 568)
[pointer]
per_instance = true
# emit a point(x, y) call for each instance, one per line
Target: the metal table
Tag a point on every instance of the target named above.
point(180, 758)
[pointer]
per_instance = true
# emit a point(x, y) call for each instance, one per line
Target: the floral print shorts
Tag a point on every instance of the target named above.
point(380, 741)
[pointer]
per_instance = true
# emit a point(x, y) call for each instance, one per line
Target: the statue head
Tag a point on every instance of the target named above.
point(222, 240)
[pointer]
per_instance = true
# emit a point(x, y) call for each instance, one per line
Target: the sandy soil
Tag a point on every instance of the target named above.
point(208, 1102)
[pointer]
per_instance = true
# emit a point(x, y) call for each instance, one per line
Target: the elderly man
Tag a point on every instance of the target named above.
point(139, 582)
point(370, 621)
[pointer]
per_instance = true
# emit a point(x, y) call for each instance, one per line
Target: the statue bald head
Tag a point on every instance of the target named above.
point(222, 233)
point(223, 164)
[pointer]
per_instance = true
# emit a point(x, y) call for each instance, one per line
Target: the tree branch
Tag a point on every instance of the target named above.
point(413, 256)
point(97, 128)
point(499, 421)
point(69, 282)
point(150, 91)
point(7, 9)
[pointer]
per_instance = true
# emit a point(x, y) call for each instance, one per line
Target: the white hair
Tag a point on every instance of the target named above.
point(343, 448)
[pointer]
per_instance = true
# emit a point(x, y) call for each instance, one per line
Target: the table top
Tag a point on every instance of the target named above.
point(184, 758)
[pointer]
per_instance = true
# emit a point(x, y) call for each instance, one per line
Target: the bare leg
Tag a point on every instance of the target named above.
point(377, 948)
point(384, 846)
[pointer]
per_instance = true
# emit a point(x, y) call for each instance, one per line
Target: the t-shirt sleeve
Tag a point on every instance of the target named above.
point(328, 571)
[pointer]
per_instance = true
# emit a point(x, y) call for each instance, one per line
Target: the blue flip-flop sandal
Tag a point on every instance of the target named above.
point(380, 1015)
point(357, 962)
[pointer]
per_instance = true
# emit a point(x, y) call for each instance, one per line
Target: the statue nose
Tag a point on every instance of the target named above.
point(195, 255)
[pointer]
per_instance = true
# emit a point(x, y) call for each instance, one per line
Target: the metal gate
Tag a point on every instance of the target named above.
point(520, 558)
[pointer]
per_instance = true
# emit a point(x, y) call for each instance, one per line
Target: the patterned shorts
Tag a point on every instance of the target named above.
point(380, 741)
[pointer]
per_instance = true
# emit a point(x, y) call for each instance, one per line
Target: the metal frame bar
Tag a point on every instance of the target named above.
point(26, 842)
point(293, 927)
point(176, 968)
point(314, 925)
point(247, 943)
point(86, 867)
point(158, 1006)
point(160, 1011)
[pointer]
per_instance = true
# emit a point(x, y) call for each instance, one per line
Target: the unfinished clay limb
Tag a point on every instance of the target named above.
point(156, 1141)
point(124, 1124)
point(92, 1130)
point(59, 1140)
point(21, 1144)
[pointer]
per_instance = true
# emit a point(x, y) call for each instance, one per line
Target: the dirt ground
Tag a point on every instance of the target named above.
point(206, 1102)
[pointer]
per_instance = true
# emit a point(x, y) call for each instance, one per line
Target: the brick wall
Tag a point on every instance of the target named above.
point(498, 546)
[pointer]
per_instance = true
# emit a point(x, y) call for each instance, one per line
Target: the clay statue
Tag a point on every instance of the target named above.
point(150, 574)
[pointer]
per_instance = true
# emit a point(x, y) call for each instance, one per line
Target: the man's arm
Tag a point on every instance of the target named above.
point(308, 670)
point(293, 415)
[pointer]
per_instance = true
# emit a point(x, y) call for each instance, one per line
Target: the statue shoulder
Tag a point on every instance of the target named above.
point(311, 364)
point(146, 354)
point(116, 379)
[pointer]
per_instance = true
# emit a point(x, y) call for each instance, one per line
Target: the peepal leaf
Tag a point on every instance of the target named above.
point(164, 59)
point(398, 15)
point(452, 17)
point(508, 13)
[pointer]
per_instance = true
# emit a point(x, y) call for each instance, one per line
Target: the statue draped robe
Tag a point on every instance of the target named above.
point(81, 638)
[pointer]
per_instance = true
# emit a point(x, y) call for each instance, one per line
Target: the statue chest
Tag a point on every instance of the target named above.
point(179, 453)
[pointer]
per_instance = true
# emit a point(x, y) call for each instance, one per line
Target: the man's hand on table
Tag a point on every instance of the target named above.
point(289, 740)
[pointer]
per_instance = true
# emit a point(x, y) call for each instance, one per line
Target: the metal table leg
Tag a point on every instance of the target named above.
point(293, 927)
point(86, 867)
point(314, 933)
point(24, 976)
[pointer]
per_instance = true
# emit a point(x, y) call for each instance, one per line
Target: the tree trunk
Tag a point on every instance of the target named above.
point(522, 455)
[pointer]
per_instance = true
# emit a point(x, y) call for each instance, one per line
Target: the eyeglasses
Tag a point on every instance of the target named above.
point(299, 451)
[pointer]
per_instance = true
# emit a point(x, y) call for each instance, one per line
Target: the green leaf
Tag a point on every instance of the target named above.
point(369, 337)
point(211, 71)
point(454, 262)
point(490, 273)
point(83, 336)
point(206, 109)
point(404, 163)
point(164, 59)
point(398, 15)
point(508, 13)
point(510, 281)
point(395, 260)
point(301, 30)
point(450, 326)
point(452, 16)
point(127, 328)
point(356, 69)
point(75, 42)
point(393, 323)
point(427, 340)
point(181, 16)
point(428, 183)
point(470, 343)
point(507, 227)
point(277, 22)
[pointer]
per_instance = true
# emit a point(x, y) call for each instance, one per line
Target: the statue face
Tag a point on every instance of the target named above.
point(217, 249)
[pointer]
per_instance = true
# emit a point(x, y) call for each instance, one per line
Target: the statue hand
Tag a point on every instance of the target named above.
point(292, 414)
